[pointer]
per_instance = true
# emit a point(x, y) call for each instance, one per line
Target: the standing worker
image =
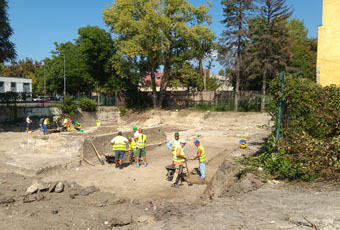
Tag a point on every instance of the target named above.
point(132, 149)
point(135, 132)
point(28, 122)
point(41, 123)
point(179, 161)
point(172, 145)
point(140, 147)
point(202, 157)
point(119, 146)
point(45, 124)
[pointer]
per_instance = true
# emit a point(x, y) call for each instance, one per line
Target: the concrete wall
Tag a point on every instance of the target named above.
point(328, 56)
point(12, 113)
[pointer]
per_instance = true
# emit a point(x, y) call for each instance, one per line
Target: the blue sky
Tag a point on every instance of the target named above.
point(37, 24)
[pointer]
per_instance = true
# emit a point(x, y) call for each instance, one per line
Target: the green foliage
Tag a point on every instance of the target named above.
point(7, 51)
point(122, 110)
point(68, 106)
point(309, 147)
point(160, 32)
point(304, 50)
point(87, 104)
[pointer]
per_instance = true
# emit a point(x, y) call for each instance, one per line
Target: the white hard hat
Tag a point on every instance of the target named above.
point(182, 141)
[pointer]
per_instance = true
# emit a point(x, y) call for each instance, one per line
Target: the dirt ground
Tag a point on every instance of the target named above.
point(103, 197)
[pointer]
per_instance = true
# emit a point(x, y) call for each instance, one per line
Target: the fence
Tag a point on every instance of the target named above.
point(220, 100)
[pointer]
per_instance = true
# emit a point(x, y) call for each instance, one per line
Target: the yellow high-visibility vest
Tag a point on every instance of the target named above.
point(179, 159)
point(203, 156)
point(133, 145)
point(174, 145)
point(119, 144)
point(141, 141)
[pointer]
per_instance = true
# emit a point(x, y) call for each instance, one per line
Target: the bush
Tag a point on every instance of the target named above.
point(309, 146)
point(87, 104)
point(122, 110)
point(68, 106)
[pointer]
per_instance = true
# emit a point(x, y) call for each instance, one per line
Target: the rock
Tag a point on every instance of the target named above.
point(59, 187)
point(121, 219)
point(88, 190)
point(55, 211)
point(36, 186)
point(29, 199)
point(6, 200)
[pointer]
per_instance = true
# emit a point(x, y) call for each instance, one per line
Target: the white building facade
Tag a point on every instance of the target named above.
point(16, 85)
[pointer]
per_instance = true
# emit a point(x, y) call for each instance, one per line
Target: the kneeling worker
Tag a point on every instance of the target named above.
point(179, 161)
point(202, 157)
point(119, 146)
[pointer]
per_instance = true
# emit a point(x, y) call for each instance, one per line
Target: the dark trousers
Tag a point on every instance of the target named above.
point(179, 175)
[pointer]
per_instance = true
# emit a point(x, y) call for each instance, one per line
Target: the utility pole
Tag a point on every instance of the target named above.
point(64, 79)
point(44, 78)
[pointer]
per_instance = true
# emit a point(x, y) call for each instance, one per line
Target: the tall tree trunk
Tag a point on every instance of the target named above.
point(204, 76)
point(237, 87)
point(154, 87)
point(164, 83)
point(264, 84)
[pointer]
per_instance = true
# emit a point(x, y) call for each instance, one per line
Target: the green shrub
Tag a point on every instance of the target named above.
point(309, 146)
point(87, 104)
point(68, 106)
point(122, 110)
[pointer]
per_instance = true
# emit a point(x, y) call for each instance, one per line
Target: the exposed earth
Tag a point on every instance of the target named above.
point(44, 184)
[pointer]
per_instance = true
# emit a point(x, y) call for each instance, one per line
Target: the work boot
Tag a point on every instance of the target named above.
point(137, 165)
point(145, 164)
point(175, 185)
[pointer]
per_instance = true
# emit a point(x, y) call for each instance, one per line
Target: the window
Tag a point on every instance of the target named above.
point(2, 87)
point(27, 87)
point(13, 87)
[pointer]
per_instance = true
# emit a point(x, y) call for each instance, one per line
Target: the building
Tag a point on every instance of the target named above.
point(15, 84)
point(224, 83)
point(328, 56)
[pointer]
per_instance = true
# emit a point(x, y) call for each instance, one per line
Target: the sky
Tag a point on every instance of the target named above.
point(38, 24)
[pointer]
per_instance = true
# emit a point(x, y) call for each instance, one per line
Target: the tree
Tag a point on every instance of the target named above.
point(7, 48)
point(304, 50)
point(269, 50)
point(87, 63)
point(233, 42)
point(160, 32)
point(21, 68)
point(96, 48)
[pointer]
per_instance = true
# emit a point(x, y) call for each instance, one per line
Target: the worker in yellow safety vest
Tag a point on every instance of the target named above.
point(172, 145)
point(202, 157)
point(179, 161)
point(132, 148)
point(119, 147)
point(140, 147)
point(98, 122)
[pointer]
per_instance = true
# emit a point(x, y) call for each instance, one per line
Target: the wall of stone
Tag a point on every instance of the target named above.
point(19, 112)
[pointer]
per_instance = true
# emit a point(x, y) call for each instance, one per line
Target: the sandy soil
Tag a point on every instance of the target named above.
point(102, 197)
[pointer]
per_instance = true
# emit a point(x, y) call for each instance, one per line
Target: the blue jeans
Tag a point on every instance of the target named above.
point(45, 129)
point(202, 169)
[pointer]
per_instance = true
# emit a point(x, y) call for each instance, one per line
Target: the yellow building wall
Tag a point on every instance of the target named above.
point(328, 56)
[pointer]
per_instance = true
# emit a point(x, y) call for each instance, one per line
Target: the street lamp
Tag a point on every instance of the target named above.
point(64, 78)
point(44, 78)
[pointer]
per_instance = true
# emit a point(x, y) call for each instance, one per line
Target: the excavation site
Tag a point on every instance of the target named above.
point(69, 180)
